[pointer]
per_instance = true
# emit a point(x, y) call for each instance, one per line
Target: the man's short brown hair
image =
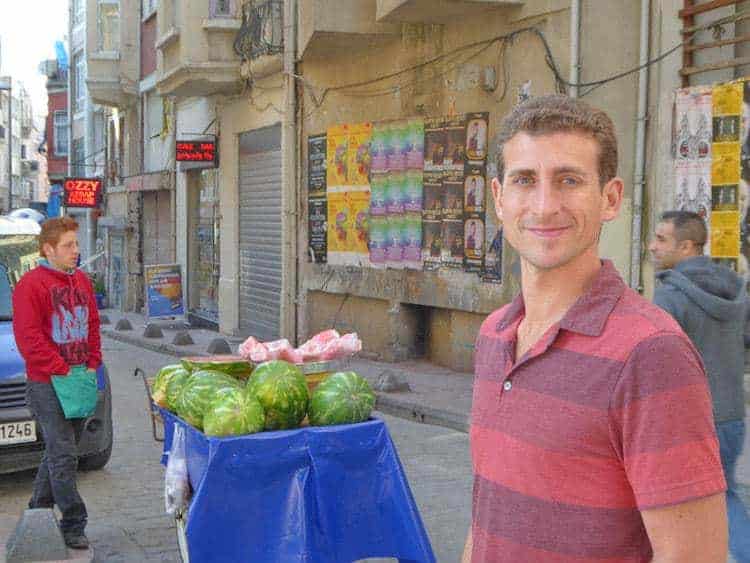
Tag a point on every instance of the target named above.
point(560, 114)
point(688, 225)
point(53, 229)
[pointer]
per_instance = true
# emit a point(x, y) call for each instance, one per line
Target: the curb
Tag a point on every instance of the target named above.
point(388, 403)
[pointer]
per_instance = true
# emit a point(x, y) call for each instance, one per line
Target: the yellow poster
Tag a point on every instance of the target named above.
point(358, 165)
point(359, 204)
point(339, 224)
point(337, 156)
point(725, 164)
point(725, 234)
point(727, 99)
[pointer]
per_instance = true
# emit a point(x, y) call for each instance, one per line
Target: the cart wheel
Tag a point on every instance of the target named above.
point(180, 524)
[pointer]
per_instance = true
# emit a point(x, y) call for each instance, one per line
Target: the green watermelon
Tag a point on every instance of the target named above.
point(175, 384)
point(200, 391)
point(341, 398)
point(236, 366)
point(282, 390)
point(234, 413)
point(159, 388)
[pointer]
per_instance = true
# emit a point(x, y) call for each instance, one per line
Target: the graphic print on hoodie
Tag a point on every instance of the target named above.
point(70, 323)
point(55, 322)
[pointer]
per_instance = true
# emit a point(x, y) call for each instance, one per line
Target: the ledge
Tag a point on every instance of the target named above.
point(221, 24)
point(171, 35)
point(105, 56)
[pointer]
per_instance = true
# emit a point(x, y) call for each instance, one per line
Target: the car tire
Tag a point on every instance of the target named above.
point(95, 461)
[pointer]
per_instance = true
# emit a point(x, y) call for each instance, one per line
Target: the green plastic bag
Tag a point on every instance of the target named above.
point(76, 392)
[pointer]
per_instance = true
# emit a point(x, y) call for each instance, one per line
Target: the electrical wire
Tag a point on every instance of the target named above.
point(505, 40)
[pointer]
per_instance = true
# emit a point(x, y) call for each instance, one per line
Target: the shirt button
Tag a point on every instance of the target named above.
point(507, 386)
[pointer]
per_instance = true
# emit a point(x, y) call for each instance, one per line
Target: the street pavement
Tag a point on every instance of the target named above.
point(127, 522)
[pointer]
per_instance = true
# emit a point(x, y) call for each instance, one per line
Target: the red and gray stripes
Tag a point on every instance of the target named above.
point(608, 415)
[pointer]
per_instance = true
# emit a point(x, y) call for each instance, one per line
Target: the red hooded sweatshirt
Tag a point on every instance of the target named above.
point(55, 322)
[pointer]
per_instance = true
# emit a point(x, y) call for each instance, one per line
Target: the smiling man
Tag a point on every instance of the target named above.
point(591, 434)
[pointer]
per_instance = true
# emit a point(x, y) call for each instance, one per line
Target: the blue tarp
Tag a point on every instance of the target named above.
point(331, 494)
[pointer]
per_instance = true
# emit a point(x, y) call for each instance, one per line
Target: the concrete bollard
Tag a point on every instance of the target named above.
point(152, 331)
point(123, 324)
point(37, 537)
point(218, 346)
point(182, 338)
point(104, 320)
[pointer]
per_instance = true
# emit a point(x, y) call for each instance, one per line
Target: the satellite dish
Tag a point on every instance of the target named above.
point(27, 213)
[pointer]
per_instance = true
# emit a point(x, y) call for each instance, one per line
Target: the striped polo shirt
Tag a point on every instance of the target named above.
point(608, 414)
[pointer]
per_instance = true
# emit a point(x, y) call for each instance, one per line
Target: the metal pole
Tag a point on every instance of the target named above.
point(575, 47)
point(10, 147)
point(639, 168)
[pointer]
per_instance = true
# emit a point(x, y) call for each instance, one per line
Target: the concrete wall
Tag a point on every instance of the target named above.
point(148, 46)
point(459, 301)
point(234, 116)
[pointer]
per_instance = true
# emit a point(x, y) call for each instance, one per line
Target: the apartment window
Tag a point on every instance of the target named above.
point(61, 133)
point(23, 152)
point(2, 132)
point(108, 23)
point(79, 82)
point(221, 8)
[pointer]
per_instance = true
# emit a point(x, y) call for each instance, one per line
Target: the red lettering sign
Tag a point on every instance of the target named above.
point(82, 192)
point(198, 151)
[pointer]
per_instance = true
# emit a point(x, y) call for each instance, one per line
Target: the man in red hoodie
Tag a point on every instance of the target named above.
point(56, 327)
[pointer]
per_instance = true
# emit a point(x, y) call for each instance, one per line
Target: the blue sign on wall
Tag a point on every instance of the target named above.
point(164, 291)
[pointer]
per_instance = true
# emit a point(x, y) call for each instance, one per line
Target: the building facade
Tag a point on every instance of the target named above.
point(279, 84)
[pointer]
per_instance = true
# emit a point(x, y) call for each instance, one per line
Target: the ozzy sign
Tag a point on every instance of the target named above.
point(196, 151)
point(82, 192)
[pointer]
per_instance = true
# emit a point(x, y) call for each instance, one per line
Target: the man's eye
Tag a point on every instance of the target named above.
point(570, 181)
point(522, 180)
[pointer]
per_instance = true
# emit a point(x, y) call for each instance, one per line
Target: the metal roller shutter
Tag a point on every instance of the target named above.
point(260, 234)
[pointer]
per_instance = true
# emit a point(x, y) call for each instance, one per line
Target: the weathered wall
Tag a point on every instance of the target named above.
point(234, 116)
point(458, 301)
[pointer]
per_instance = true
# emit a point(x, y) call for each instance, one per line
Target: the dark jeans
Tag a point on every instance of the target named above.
point(55, 481)
point(731, 439)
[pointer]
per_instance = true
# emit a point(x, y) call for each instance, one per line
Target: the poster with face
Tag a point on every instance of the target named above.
point(358, 146)
point(337, 156)
point(473, 245)
point(434, 144)
point(453, 197)
point(455, 155)
point(453, 244)
point(476, 136)
point(474, 192)
point(433, 196)
point(432, 244)
point(724, 198)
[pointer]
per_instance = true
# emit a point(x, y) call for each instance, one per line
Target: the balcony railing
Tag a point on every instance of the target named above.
point(262, 31)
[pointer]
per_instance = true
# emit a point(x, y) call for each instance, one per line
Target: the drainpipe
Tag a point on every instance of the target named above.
point(639, 169)
point(289, 175)
point(575, 47)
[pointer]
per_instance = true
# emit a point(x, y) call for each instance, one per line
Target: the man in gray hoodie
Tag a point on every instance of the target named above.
point(711, 305)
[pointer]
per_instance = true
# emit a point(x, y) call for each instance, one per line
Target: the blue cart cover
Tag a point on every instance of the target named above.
point(331, 494)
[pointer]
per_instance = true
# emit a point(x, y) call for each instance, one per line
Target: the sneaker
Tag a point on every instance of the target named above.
point(76, 540)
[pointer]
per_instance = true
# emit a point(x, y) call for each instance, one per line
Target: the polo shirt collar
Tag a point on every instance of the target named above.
point(588, 315)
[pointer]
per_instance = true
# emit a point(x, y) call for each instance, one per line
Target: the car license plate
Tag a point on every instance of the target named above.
point(17, 432)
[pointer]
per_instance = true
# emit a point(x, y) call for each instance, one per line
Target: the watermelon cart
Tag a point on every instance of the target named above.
point(312, 478)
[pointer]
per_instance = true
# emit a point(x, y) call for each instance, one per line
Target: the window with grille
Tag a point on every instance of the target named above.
point(221, 8)
point(61, 133)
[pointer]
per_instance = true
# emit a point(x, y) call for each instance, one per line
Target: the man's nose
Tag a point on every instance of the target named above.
point(547, 198)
